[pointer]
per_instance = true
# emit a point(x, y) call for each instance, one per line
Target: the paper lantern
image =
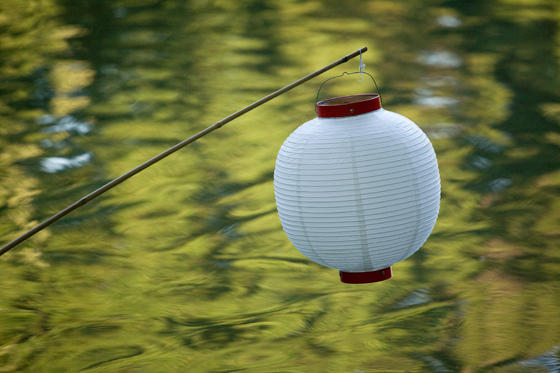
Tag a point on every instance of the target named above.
point(357, 188)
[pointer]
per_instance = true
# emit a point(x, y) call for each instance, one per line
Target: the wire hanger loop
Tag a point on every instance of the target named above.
point(346, 73)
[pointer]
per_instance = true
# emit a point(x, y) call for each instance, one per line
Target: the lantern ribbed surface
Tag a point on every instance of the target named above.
point(357, 193)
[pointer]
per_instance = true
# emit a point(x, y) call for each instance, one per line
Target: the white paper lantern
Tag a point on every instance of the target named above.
point(357, 188)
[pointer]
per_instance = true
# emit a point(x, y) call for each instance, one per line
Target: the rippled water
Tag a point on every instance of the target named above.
point(185, 266)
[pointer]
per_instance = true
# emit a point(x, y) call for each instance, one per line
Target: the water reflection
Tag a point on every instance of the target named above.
point(65, 124)
point(449, 21)
point(57, 164)
point(442, 59)
point(185, 266)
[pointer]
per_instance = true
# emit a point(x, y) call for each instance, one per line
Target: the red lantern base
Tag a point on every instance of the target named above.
point(366, 277)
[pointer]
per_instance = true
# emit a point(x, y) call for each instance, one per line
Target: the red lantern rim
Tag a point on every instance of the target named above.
point(348, 106)
point(366, 277)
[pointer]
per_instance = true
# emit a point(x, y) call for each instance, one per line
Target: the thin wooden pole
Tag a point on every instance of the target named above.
point(171, 150)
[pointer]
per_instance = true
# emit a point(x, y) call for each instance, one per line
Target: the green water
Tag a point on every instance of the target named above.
point(185, 267)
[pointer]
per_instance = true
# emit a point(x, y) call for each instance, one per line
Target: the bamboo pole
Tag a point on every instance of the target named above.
point(171, 150)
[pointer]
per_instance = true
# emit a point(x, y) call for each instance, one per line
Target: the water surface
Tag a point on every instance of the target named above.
point(185, 267)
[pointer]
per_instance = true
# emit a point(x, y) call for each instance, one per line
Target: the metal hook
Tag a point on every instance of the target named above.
point(341, 75)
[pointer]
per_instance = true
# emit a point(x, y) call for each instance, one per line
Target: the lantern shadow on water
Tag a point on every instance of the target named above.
point(357, 188)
